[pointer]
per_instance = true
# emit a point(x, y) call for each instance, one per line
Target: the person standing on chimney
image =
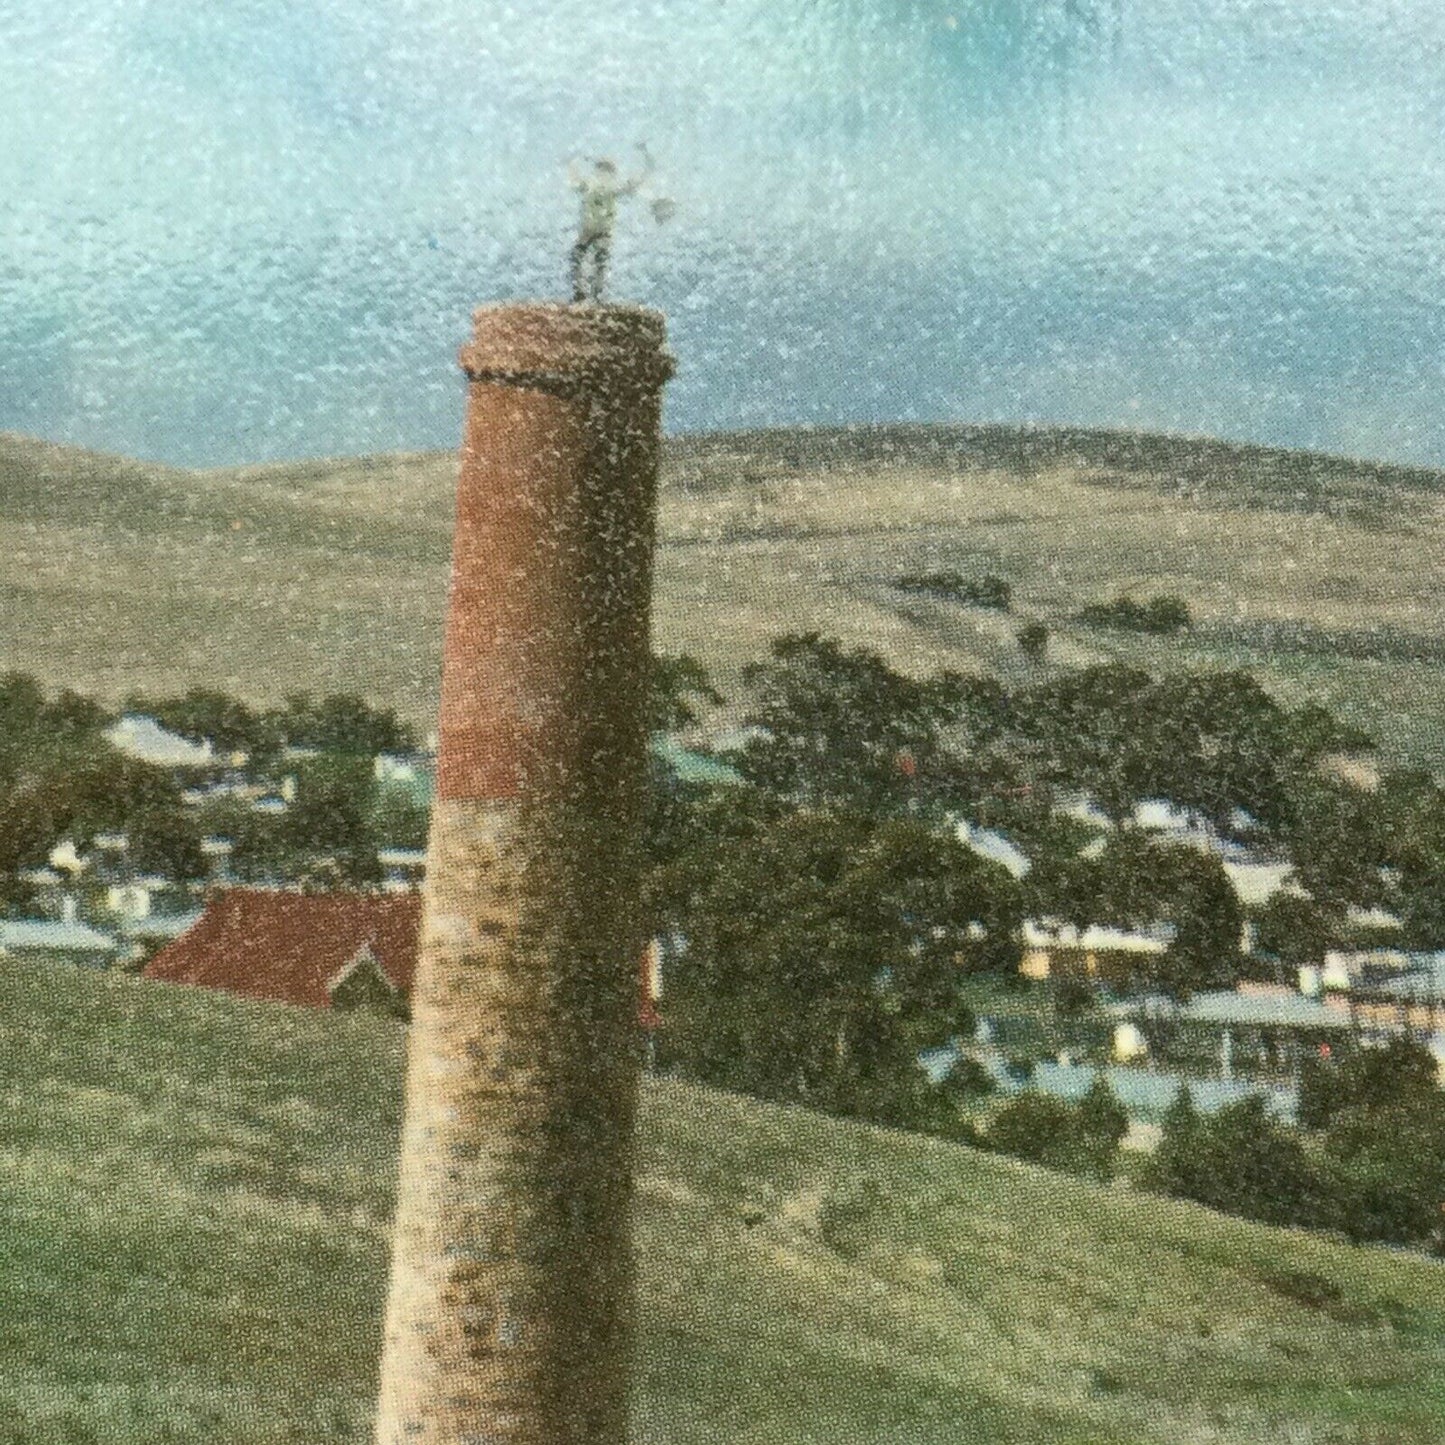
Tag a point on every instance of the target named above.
point(601, 189)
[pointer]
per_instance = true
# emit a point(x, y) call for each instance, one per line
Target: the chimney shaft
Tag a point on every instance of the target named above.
point(509, 1313)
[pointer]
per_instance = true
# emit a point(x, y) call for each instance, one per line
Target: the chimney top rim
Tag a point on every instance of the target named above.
point(519, 339)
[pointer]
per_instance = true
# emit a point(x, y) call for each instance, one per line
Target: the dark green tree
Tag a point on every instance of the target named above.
point(1081, 1138)
point(1411, 811)
point(1160, 615)
point(1390, 1169)
point(1214, 742)
point(261, 851)
point(71, 717)
point(1102, 1123)
point(334, 808)
point(839, 727)
point(1039, 1128)
point(958, 913)
point(1208, 924)
point(1295, 930)
point(1033, 640)
point(1395, 1075)
point(399, 818)
point(342, 723)
point(811, 969)
point(1337, 837)
point(1078, 731)
point(29, 828)
point(1175, 1166)
point(167, 840)
point(680, 685)
point(1248, 1164)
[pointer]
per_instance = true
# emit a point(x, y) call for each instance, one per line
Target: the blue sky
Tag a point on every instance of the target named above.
point(241, 229)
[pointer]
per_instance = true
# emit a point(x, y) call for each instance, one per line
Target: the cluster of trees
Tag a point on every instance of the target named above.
point(830, 915)
point(838, 724)
point(827, 924)
point(823, 949)
point(837, 728)
point(1217, 746)
point(1135, 881)
point(61, 778)
point(330, 833)
point(340, 723)
point(1213, 743)
point(1367, 1159)
point(339, 814)
point(1159, 615)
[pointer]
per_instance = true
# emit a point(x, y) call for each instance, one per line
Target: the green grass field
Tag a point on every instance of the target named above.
point(194, 1195)
point(1322, 574)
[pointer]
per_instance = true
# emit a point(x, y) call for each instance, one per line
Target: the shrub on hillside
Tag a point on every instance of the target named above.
point(1392, 1076)
point(849, 1213)
point(1103, 1123)
point(1036, 1127)
point(1080, 1138)
point(967, 1080)
point(1388, 1170)
point(1160, 615)
point(1033, 641)
point(1378, 1174)
point(987, 591)
point(1243, 1162)
point(1174, 1167)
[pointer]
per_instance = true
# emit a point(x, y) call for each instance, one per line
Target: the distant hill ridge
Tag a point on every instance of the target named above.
point(1319, 572)
point(1179, 460)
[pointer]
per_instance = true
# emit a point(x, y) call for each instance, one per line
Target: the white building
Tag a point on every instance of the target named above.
point(145, 740)
point(994, 847)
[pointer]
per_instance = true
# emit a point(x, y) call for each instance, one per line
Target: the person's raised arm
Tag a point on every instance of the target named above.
point(642, 177)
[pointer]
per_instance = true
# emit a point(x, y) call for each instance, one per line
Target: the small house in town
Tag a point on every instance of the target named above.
point(401, 868)
point(688, 766)
point(315, 950)
point(1256, 881)
point(1394, 990)
point(217, 853)
point(142, 897)
point(994, 848)
point(57, 940)
point(1115, 956)
point(1261, 1030)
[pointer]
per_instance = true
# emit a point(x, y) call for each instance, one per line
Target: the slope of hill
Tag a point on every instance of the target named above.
point(1321, 573)
point(195, 1198)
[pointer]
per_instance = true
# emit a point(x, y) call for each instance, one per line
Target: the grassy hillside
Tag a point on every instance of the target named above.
point(193, 1203)
point(1322, 573)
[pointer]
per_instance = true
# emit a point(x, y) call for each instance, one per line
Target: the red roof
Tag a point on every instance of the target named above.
point(291, 946)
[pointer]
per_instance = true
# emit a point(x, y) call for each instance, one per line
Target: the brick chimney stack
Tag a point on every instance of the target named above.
point(509, 1317)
